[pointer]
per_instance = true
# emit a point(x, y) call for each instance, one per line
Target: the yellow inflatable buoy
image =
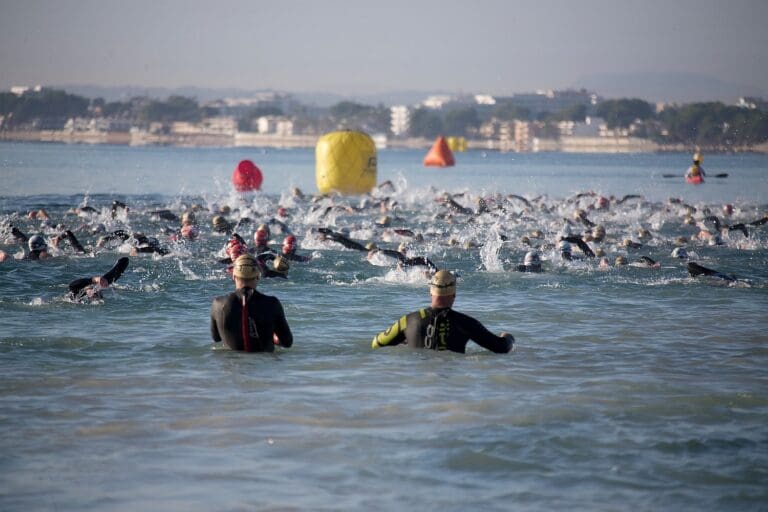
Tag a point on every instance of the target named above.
point(345, 163)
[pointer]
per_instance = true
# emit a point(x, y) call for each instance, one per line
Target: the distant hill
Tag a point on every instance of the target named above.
point(653, 87)
point(666, 87)
point(202, 94)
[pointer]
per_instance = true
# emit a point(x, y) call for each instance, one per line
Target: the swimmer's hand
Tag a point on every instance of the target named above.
point(509, 338)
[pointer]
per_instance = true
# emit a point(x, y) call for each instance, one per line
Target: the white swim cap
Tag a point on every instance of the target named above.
point(532, 258)
point(37, 243)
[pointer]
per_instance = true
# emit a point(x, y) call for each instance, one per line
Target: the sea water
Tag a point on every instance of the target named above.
point(628, 389)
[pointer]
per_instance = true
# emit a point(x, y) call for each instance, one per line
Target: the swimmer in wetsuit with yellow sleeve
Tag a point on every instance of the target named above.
point(439, 327)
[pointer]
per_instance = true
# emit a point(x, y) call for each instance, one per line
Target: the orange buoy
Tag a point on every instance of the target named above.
point(246, 176)
point(440, 155)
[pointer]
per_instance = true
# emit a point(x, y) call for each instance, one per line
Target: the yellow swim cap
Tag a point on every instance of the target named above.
point(442, 283)
point(280, 264)
point(246, 267)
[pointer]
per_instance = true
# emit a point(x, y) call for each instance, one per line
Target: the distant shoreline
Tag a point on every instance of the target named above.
point(605, 145)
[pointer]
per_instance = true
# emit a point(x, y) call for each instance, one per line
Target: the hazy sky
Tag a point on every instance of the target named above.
point(352, 46)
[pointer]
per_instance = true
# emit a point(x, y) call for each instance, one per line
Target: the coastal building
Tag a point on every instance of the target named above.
point(20, 90)
point(277, 125)
point(400, 120)
point(221, 125)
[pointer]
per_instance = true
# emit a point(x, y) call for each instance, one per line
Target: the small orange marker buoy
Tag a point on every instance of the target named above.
point(440, 155)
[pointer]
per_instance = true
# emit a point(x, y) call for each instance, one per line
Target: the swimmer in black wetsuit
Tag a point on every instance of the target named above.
point(531, 263)
point(695, 270)
point(439, 327)
point(272, 265)
point(328, 234)
point(246, 319)
point(288, 250)
point(89, 288)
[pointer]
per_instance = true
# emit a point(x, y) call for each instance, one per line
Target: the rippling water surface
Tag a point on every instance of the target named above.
point(629, 388)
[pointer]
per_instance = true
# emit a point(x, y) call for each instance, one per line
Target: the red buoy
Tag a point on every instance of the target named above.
point(246, 176)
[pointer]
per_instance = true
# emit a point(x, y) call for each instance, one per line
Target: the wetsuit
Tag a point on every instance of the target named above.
point(254, 334)
point(292, 256)
point(78, 289)
point(529, 268)
point(440, 329)
point(343, 240)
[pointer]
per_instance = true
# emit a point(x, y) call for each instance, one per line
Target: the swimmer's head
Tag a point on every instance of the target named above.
point(680, 252)
point(188, 218)
point(246, 268)
point(370, 246)
point(289, 242)
point(37, 243)
point(234, 249)
point(189, 231)
point(442, 284)
point(219, 223)
point(598, 233)
point(727, 209)
point(697, 158)
point(564, 247)
point(620, 261)
point(384, 221)
point(260, 237)
point(282, 212)
point(644, 234)
point(402, 248)
point(602, 203)
point(599, 252)
point(532, 258)
point(280, 264)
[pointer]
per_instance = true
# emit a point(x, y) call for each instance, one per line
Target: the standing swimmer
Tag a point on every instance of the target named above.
point(439, 327)
point(246, 319)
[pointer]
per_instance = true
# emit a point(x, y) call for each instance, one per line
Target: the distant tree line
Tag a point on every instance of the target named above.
point(704, 124)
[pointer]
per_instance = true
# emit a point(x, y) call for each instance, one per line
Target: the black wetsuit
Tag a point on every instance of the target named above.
point(292, 256)
point(343, 240)
point(440, 329)
point(265, 317)
point(78, 289)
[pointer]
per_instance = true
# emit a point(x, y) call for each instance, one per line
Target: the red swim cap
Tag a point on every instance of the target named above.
point(189, 231)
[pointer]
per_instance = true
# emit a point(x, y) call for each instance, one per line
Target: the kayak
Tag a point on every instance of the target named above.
point(694, 180)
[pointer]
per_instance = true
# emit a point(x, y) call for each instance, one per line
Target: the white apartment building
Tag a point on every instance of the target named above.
point(400, 119)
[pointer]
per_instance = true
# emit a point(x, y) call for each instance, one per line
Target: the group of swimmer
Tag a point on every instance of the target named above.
point(251, 321)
